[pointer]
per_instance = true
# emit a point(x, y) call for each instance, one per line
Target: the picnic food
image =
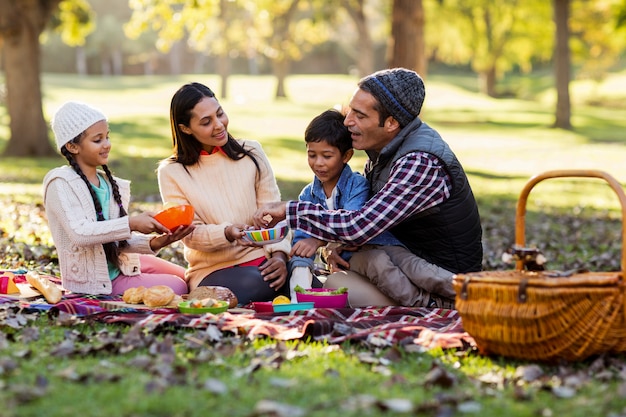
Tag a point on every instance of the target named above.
point(205, 302)
point(50, 291)
point(7, 285)
point(281, 299)
point(134, 295)
point(159, 295)
point(323, 297)
point(340, 290)
point(216, 292)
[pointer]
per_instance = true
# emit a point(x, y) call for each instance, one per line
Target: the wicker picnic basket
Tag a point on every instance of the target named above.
point(546, 315)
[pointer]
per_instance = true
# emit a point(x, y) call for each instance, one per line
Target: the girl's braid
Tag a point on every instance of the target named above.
point(111, 250)
point(117, 197)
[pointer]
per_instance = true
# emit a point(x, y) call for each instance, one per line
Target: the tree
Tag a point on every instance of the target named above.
point(494, 37)
point(562, 64)
point(407, 45)
point(279, 30)
point(21, 24)
point(364, 46)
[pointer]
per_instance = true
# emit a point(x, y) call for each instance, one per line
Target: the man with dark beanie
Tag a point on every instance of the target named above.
point(420, 193)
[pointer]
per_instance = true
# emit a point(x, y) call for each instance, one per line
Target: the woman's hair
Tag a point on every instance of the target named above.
point(186, 147)
point(328, 127)
point(111, 249)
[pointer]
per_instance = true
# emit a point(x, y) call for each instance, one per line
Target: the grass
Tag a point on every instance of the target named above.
point(62, 368)
point(500, 142)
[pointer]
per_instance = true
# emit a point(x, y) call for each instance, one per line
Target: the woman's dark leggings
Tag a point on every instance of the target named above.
point(246, 282)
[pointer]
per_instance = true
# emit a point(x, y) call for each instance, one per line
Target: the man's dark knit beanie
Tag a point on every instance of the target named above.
point(399, 90)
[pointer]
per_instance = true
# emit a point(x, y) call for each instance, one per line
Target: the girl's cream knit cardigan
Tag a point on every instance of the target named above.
point(78, 236)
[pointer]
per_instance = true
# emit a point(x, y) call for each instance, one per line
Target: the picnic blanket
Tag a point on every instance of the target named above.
point(387, 326)
point(424, 327)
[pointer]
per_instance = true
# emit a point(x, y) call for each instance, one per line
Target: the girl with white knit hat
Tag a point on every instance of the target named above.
point(101, 249)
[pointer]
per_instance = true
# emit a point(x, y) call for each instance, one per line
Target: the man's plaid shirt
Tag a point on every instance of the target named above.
point(417, 181)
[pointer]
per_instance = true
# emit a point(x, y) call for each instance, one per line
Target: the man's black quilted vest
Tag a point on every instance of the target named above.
point(450, 234)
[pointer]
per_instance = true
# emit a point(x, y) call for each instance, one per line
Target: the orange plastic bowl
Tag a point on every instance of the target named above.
point(174, 217)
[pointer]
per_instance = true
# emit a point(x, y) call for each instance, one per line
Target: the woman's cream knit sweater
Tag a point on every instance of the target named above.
point(222, 192)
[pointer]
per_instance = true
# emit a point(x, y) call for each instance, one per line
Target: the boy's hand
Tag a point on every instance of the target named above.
point(306, 247)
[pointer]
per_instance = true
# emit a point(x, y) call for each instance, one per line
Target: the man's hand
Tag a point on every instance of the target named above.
point(270, 214)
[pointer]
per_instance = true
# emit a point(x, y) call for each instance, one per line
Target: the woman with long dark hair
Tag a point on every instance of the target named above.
point(225, 180)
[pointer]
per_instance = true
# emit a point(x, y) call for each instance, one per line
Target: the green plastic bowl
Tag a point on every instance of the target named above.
point(184, 308)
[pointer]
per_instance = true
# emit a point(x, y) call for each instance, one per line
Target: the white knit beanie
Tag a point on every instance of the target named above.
point(72, 119)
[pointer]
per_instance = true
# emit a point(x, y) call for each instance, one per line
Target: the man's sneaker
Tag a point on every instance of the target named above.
point(440, 302)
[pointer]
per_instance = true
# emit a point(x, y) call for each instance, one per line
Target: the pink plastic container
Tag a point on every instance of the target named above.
point(322, 300)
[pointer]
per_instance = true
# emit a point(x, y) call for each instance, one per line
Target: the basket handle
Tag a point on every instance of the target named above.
point(520, 214)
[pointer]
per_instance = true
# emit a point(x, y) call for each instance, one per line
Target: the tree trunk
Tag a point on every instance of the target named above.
point(81, 61)
point(281, 70)
point(562, 65)
point(281, 63)
point(407, 36)
point(364, 46)
point(21, 23)
point(175, 58)
point(223, 69)
point(487, 82)
point(223, 60)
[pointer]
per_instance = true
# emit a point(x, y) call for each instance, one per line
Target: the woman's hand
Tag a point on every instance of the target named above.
point(306, 247)
point(270, 214)
point(146, 223)
point(165, 239)
point(274, 270)
point(235, 232)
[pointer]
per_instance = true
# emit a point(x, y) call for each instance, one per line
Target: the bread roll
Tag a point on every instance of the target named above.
point(219, 293)
point(134, 295)
point(47, 288)
point(157, 296)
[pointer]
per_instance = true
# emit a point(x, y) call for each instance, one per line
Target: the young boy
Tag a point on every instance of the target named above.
point(384, 260)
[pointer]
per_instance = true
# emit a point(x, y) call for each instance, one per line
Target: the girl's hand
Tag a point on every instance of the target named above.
point(145, 223)
point(274, 270)
point(165, 239)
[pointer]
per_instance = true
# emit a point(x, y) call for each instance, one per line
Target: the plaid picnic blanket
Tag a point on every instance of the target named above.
point(428, 328)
